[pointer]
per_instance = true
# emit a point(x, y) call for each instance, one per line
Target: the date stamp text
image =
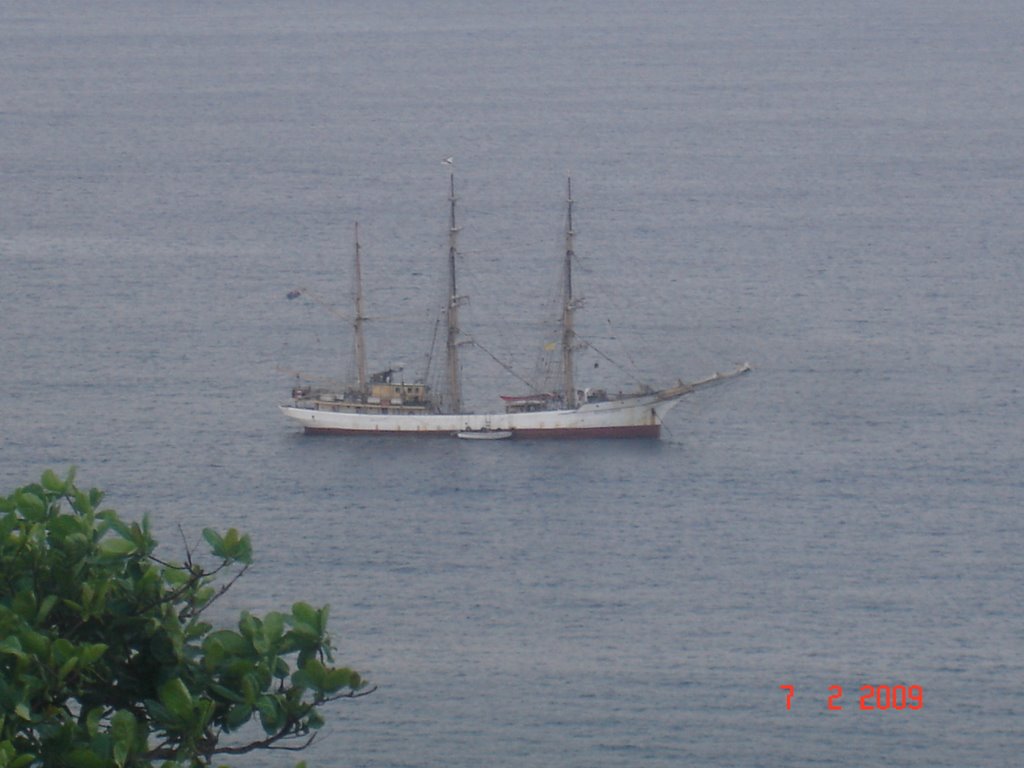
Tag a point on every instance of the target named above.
point(881, 698)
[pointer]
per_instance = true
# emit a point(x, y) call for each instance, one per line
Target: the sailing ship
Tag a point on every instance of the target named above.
point(383, 403)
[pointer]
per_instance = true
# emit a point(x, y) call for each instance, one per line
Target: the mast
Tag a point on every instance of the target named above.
point(359, 319)
point(568, 307)
point(454, 379)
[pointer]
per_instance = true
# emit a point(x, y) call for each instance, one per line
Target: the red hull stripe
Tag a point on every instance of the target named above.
point(643, 430)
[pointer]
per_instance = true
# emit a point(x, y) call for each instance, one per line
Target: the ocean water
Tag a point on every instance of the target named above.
point(831, 191)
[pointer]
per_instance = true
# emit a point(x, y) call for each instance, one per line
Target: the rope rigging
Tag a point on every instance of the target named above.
point(620, 366)
point(508, 368)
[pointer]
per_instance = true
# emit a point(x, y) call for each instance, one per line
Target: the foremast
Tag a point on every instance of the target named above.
point(568, 306)
point(360, 318)
point(452, 346)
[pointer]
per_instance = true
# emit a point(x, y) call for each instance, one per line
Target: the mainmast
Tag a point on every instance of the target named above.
point(568, 307)
point(454, 379)
point(359, 319)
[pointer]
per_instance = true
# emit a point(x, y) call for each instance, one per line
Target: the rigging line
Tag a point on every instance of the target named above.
point(617, 364)
point(433, 344)
point(629, 356)
point(504, 365)
point(319, 301)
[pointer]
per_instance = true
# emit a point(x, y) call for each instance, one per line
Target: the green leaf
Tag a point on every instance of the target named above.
point(12, 646)
point(140, 538)
point(92, 652)
point(250, 688)
point(36, 643)
point(321, 617)
point(231, 642)
point(314, 719)
point(301, 680)
point(123, 729)
point(175, 696)
point(215, 540)
point(199, 629)
point(243, 552)
point(122, 725)
point(271, 714)
point(92, 720)
point(117, 547)
point(306, 614)
point(205, 710)
point(336, 679)
point(316, 672)
point(88, 593)
point(82, 502)
point(62, 650)
point(281, 668)
point(238, 716)
point(45, 607)
point(67, 667)
point(303, 637)
point(32, 505)
point(226, 693)
point(51, 482)
point(249, 625)
point(273, 626)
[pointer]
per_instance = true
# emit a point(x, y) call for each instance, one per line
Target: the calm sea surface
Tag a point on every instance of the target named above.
point(832, 191)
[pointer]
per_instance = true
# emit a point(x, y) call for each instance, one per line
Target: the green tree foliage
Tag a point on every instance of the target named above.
point(107, 660)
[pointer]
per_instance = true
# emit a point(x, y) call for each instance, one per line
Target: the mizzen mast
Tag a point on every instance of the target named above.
point(360, 318)
point(452, 347)
point(568, 307)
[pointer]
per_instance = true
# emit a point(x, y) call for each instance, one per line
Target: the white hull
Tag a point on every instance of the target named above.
point(639, 416)
point(630, 416)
